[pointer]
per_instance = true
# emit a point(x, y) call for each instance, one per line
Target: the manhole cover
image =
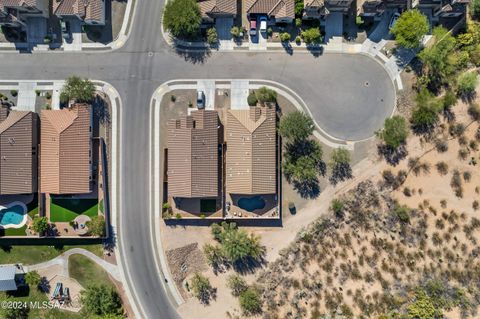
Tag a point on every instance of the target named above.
point(150, 54)
point(367, 83)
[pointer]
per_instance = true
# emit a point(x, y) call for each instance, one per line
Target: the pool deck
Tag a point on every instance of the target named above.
point(271, 209)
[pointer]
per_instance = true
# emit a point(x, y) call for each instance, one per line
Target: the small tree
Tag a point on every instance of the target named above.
point(236, 284)
point(33, 279)
point(466, 84)
point(96, 226)
point(395, 131)
point(285, 36)
point(475, 9)
point(78, 90)
point(40, 225)
point(212, 36)
point(296, 126)
point(235, 31)
point(252, 99)
point(337, 207)
point(265, 94)
point(250, 301)
point(311, 36)
point(201, 288)
point(409, 29)
point(101, 300)
point(214, 255)
point(182, 18)
point(340, 165)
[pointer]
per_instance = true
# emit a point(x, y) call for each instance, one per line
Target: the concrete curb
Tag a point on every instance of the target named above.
point(158, 253)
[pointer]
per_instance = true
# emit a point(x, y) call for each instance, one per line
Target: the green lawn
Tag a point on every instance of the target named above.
point(66, 209)
point(36, 254)
point(35, 295)
point(14, 231)
point(86, 271)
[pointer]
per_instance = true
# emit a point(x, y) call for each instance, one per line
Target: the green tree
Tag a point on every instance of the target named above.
point(303, 161)
point(337, 206)
point(201, 287)
point(214, 255)
point(466, 84)
point(296, 126)
point(182, 18)
point(33, 279)
point(438, 62)
point(238, 246)
point(475, 9)
point(298, 8)
point(96, 226)
point(250, 301)
point(101, 300)
point(212, 36)
point(311, 36)
point(236, 284)
point(40, 225)
point(252, 99)
point(425, 114)
point(340, 165)
point(285, 36)
point(78, 90)
point(395, 131)
point(409, 29)
point(265, 94)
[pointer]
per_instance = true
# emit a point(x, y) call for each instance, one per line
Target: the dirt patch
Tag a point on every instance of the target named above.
point(183, 262)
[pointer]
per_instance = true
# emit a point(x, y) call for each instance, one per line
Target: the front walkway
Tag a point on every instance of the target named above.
point(62, 260)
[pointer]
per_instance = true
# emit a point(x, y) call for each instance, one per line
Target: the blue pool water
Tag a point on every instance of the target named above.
point(251, 203)
point(12, 215)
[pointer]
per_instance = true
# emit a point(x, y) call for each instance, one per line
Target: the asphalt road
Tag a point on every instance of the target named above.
point(349, 96)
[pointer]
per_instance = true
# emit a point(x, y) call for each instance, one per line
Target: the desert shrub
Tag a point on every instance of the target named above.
point(467, 176)
point(340, 165)
point(201, 287)
point(466, 83)
point(474, 111)
point(441, 146)
point(456, 184)
point(442, 168)
point(235, 31)
point(236, 284)
point(337, 207)
point(214, 255)
point(475, 205)
point(250, 301)
point(463, 153)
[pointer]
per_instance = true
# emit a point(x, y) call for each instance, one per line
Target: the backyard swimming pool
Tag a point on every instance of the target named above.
point(251, 204)
point(13, 216)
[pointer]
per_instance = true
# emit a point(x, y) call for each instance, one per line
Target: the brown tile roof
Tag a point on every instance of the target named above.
point(193, 155)
point(18, 3)
point(277, 8)
point(251, 151)
point(65, 150)
point(214, 8)
point(18, 153)
point(86, 9)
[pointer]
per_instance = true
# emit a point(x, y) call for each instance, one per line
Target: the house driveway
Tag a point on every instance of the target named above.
point(36, 30)
point(75, 43)
point(223, 26)
point(333, 25)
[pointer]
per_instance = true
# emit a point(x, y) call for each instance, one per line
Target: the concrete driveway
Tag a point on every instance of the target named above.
point(75, 43)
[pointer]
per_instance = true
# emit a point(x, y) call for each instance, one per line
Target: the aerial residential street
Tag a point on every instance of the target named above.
point(348, 95)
